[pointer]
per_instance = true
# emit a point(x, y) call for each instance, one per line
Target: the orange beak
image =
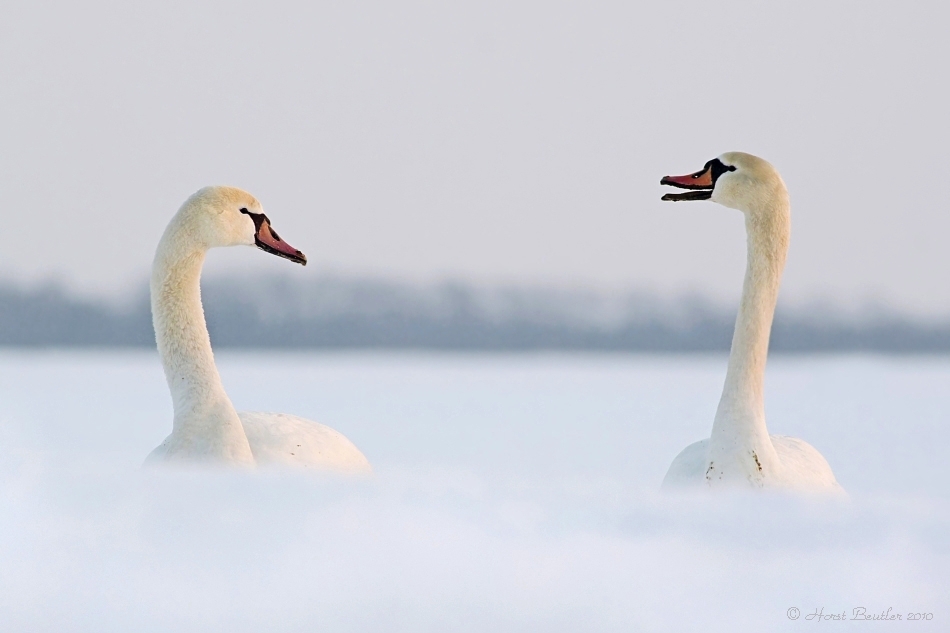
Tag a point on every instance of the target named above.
point(699, 180)
point(702, 182)
point(268, 240)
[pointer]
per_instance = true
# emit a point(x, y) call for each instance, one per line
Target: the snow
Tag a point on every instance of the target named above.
point(512, 493)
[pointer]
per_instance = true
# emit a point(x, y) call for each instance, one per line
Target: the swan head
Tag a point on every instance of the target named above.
point(734, 179)
point(228, 216)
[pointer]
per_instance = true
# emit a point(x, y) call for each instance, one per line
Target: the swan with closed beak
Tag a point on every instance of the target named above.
point(206, 427)
point(740, 452)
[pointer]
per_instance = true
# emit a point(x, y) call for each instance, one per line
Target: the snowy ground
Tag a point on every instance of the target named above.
point(513, 493)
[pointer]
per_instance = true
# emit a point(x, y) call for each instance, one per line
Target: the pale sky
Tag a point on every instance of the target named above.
point(494, 141)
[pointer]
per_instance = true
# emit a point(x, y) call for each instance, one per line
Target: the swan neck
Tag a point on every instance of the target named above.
point(740, 418)
point(181, 332)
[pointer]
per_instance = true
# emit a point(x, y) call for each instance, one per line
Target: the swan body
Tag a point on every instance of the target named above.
point(740, 452)
point(802, 467)
point(206, 427)
point(279, 438)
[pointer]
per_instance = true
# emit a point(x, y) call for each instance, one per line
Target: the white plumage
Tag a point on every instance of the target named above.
point(740, 452)
point(206, 427)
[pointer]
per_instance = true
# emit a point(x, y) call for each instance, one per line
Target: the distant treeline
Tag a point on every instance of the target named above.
point(341, 313)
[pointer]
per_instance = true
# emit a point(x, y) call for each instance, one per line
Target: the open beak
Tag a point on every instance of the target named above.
point(267, 239)
point(701, 183)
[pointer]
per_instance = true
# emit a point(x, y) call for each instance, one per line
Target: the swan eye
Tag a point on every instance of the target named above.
point(718, 168)
point(245, 211)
